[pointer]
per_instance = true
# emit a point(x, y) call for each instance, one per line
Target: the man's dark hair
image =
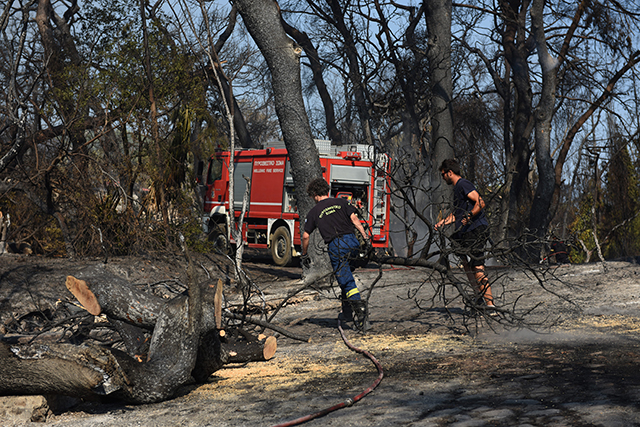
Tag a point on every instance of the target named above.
point(450, 165)
point(318, 187)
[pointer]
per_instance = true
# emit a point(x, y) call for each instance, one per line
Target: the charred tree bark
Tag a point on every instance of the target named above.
point(438, 19)
point(56, 369)
point(263, 21)
point(517, 47)
point(185, 344)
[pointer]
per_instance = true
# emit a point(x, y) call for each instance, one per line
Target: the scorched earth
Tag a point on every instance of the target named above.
point(572, 360)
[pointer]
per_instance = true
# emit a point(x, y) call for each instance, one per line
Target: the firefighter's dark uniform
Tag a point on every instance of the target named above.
point(332, 217)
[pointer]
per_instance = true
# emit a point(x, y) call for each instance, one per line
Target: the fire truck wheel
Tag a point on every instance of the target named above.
point(281, 246)
point(219, 239)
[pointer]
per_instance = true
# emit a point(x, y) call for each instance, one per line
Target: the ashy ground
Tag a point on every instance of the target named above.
point(573, 361)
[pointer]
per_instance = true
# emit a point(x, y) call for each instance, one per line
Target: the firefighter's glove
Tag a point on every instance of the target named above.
point(367, 248)
point(305, 261)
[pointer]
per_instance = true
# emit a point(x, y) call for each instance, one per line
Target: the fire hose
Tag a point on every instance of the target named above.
point(349, 401)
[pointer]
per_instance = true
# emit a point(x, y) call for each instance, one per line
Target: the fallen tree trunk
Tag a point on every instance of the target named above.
point(54, 369)
point(184, 345)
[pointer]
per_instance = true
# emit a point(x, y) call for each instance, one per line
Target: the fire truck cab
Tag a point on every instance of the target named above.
point(271, 220)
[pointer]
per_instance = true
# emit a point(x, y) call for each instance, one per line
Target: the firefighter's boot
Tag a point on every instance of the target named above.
point(347, 313)
point(360, 315)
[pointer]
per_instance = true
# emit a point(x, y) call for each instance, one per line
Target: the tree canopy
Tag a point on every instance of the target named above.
point(107, 109)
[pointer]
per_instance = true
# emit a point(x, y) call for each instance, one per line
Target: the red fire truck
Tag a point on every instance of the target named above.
point(271, 220)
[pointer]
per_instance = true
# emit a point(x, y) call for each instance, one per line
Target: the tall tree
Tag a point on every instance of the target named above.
point(550, 177)
point(438, 17)
point(621, 216)
point(549, 81)
point(517, 47)
point(262, 19)
point(302, 38)
point(84, 119)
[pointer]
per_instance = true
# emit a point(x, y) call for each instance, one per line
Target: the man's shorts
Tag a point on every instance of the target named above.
point(469, 246)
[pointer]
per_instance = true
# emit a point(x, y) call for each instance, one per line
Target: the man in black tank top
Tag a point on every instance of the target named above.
point(471, 230)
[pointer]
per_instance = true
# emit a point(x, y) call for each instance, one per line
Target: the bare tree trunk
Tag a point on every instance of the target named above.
point(224, 83)
point(504, 90)
point(539, 216)
point(438, 18)
point(5, 221)
point(262, 19)
point(238, 231)
point(586, 251)
point(159, 185)
point(517, 155)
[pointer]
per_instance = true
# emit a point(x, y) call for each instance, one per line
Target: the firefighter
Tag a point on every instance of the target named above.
point(471, 230)
point(336, 220)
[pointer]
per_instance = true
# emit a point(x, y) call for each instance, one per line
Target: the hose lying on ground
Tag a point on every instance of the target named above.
point(349, 401)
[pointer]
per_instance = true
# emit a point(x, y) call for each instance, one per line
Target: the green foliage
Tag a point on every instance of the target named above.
point(582, 230)
point(616, 214)
point(102, 215)
point(621, 205)
point(178, 149)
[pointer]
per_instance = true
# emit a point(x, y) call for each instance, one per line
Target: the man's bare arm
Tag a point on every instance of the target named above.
point(358, 225)
point(478, 205)
point(305, 242)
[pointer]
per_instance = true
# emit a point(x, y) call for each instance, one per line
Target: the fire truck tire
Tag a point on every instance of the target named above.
point(219, 238)
point(281, 246)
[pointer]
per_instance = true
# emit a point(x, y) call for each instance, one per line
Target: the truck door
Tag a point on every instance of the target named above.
point(266, 193)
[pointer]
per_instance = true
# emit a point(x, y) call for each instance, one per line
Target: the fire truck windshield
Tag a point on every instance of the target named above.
point(215, 170)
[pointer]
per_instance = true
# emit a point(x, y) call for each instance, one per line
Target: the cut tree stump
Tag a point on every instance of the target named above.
point(82, 293)
point(253, 351)
point(185, 343)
